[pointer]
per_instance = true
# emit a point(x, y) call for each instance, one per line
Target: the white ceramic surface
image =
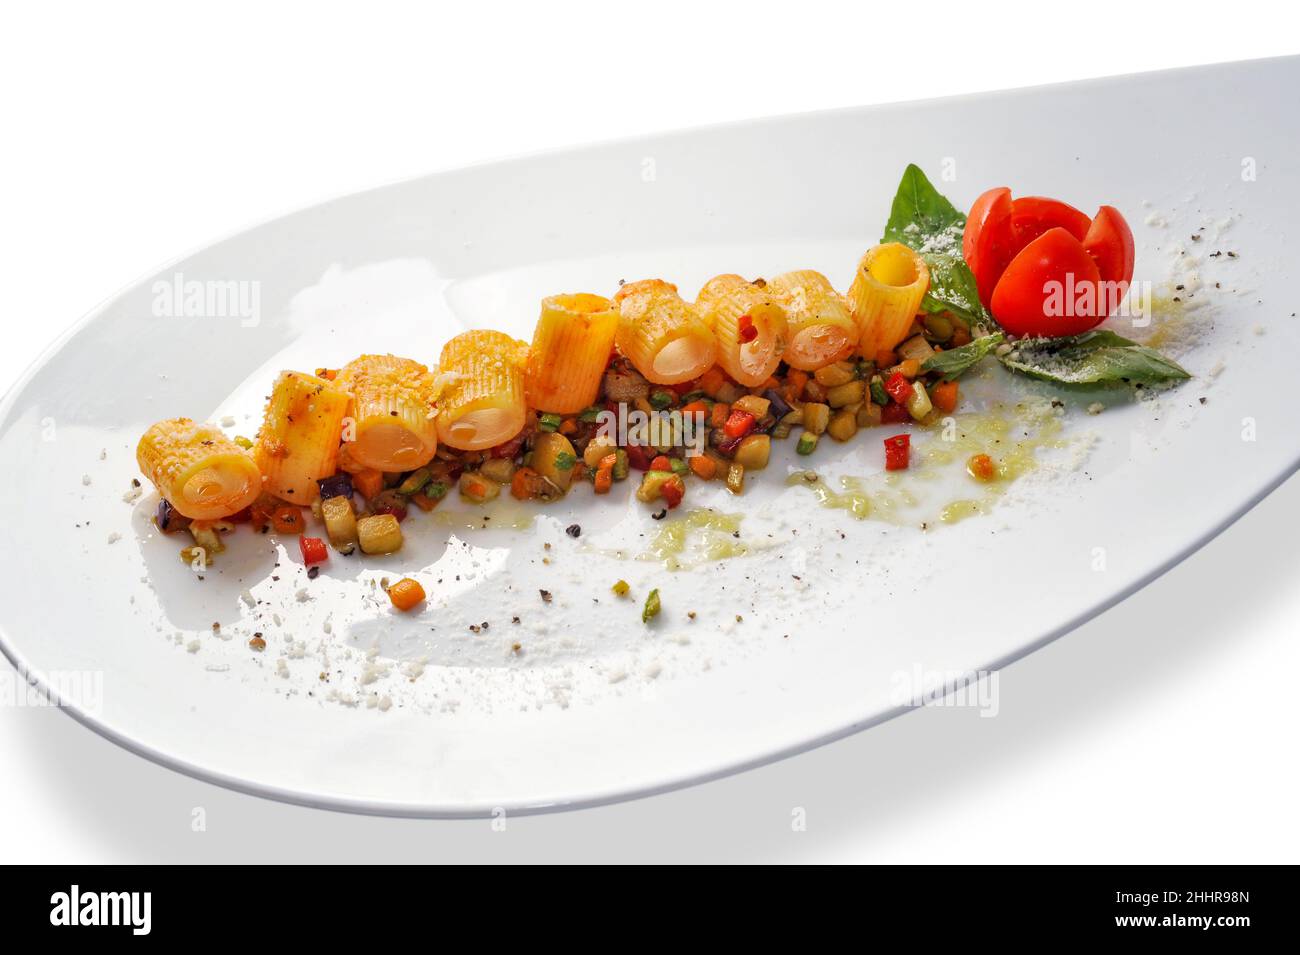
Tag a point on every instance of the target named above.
point(422, 716)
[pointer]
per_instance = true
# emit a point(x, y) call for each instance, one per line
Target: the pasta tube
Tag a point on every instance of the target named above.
point(298, 443)
point(570, 350)
point(886, 295)
point(482, 402)
point(822, 330)
point(197, 469)
point(392, 413)
point(750, 328)
point(666, 339)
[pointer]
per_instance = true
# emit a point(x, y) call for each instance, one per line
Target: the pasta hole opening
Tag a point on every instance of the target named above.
point(681, 358)
point(819, 344)
point(212, 484)
point(893, 265)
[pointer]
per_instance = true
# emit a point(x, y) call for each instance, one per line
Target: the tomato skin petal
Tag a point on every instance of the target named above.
point(1022, 296)
point(1110, 243)
point(1032, 216)
point(988, 242)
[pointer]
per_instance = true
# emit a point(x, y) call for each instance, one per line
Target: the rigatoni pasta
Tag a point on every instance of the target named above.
point(665, 338)
point(886, 295)
point(392, 412)
point(298, 443)
point(197, 469)
point(822, 330)
point(749, 327)
point(570, 349)
point(482, 401)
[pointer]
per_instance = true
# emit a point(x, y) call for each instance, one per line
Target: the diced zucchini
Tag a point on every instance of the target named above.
point(620, 465)
point(753, 404)
point(736, 477)
point(846, 394)
point(807, 443)
point(832, 376)
point(752, 452)
point(918, 405)
point(816, 416)
point(500, 470)
point(477, 489)
point(652, 484)
point(379, 534)
point(415, 481)
point(340, 523)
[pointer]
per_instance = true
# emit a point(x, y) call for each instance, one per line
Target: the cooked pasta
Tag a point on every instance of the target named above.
point(570, 350)
point(299, 440)
point(750, 328)
point(197, 469)
point(886, 295)
point(392, 412)
point(665, 338)
point(822, 330)
point(482, 402)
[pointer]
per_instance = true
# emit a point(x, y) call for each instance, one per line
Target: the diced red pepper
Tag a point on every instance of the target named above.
point(746, 330)
point(661, 463)
point(899, 388)
point(897, 452)
point(673, 491)
point(739, 424)
point(313, 550)
point(728, 446)
point(638, 457)
point(894, 413)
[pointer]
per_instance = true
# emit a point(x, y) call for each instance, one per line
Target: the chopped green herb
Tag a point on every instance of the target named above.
point(589, 415)
point(661, 399)
point(652, 606)
point(549, 422)
point(564, 461)
point(878, 393)
point(414, 481)
point(436, 490)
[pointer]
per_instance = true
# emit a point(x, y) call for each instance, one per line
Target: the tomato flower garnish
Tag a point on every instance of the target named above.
point(1044, 268)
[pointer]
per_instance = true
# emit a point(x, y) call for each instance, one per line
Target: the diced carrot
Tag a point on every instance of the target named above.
point(368, 483)
point(712, 380)
point(796, 379)
point(406, 593)
point(718, 417)
point(604, 479)
point(288, 520)
point(424, 502)
point(704, 466)
point(909, 367)
point(885, 358)
point(701, 407)
point(944, 396)
point(521, 485)
point(568, 426)
point(981, 467)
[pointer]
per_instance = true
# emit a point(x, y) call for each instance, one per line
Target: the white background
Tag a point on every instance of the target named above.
point(1163, 731)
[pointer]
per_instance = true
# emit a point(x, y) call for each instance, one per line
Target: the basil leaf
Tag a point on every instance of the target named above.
point(1093, 358)
point(927, 223)
point(955, 361)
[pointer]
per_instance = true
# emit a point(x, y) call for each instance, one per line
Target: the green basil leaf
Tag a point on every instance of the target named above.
point(956, 361)
point(1093, 358)
point(926, 222)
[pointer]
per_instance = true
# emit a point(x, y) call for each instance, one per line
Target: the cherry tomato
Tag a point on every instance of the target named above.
point(1050, 288)
point(1042, 266)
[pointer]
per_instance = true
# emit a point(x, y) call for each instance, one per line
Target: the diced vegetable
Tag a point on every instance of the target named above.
point(477, 489)
point(168, 518)
point(652, 606)
point(753, 452)
point(777, 406)
point(981, 467)
point(652, 485)
point(753, 404)
point(379, 534)
point(528, 485)
point(368, 483)
point(679, 466)
point(340, 522)
point(620, 588)
point(846, 394)
point(389, 501)
point(909, 368)
point(899, 387)
point(918, 404)
point(944, 396)
point(736, 477)
point(501, 470)
point(831, 376)
point(661, 463)
point(869, 415)
point(549, 422)
point(673, 491)
point(897, 452)
point(878, 393)
point(287, 519)
point(703, 466)
point(807, 443)
point(554, 458)
point(739, 423)
point(661, 398)
point(917, 348)
point(843, 426)
point(596, 450)
point(406, 594)
point(336, 485)
point(415, 481)
point(313, 550)
point(620, 465)
point(816, 416)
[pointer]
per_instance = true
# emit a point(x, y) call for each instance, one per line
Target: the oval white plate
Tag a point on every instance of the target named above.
point(809, 635)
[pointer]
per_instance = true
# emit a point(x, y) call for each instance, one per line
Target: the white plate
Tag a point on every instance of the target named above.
point(837, 614)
